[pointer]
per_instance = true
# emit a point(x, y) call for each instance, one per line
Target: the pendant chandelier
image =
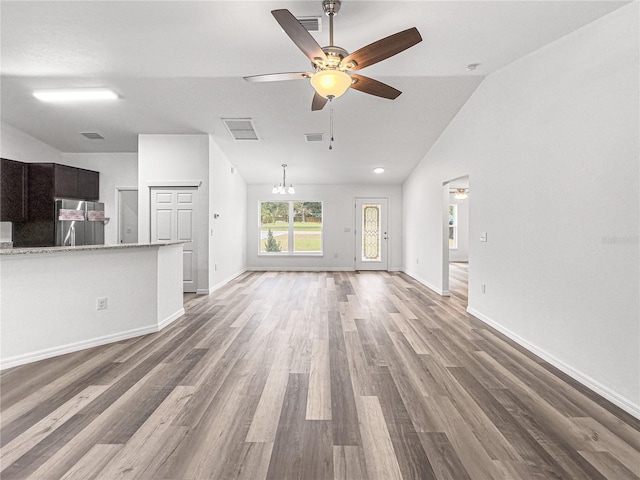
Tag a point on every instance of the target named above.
point(282, 188)
point(461, 193)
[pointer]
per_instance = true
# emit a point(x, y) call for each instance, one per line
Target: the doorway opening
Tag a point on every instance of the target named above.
point(127, 201)
point(455, 261)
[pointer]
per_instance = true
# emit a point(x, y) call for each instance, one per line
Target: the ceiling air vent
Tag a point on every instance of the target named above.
point(92, 135)
point(241, 128)
point(313, 137)
point(311, 24)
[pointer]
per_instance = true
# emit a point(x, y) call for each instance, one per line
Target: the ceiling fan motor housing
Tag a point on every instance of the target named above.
point(331, 7)
point(334, 57)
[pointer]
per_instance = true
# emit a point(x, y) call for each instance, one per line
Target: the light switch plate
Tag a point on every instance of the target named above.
point(483, 236)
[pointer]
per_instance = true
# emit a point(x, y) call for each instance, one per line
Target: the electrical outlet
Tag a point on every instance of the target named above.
point(483, 288)
point(417, 262)
point(215, 266)
point(335, 255)
point(101, 303)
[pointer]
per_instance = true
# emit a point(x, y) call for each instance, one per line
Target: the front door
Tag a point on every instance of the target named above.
point(172, 219)
point(371, 234)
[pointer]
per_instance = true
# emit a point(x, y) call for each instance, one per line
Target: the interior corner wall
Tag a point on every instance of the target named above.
point(116, 170)
point(176, 158)
point(551, 144)
point(338, 215)
point(227, 219)
point(18, 145)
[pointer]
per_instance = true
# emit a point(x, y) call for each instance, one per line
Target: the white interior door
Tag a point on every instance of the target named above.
point(172, 219)
point(127, 215)
point(371, 234)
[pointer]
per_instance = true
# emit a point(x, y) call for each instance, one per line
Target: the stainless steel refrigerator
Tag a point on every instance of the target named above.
point(79, 222)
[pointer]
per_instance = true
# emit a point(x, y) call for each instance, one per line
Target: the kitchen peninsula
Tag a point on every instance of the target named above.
point(56, 300)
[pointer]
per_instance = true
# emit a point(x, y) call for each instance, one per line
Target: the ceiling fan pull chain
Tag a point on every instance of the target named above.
point(331, 124)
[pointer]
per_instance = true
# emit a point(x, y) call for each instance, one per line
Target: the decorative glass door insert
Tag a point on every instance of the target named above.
point(371, 232)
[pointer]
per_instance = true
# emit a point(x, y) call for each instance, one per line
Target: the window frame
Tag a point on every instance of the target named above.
point(453, 226)
point(290, 230)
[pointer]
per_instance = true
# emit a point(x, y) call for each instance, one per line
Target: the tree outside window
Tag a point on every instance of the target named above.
point(291, 227)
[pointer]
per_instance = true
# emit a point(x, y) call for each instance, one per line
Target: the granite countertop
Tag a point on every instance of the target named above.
point(81, 248)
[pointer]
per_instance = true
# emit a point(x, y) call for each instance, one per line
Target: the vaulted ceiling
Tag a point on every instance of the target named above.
point(178, 67)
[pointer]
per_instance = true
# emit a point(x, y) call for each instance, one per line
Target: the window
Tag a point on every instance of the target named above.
point(291, 227)
point(453, 227)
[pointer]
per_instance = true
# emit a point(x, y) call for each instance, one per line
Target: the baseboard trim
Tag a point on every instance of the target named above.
point(444, 293)
point(90, 343)
point(209, 291)
point(170, 319)
point(597, 387)
point(301, 269)
point(74, 347)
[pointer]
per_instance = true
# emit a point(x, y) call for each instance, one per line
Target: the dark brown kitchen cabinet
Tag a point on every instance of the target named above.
point(13, 191)
point(72, 182)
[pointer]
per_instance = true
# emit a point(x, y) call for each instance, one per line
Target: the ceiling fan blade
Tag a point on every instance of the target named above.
point(374, 87)
point(276, 77)
point(383, 49)
point(303, 39)
point(318, 102)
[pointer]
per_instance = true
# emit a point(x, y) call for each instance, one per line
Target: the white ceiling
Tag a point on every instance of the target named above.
point(178, 66)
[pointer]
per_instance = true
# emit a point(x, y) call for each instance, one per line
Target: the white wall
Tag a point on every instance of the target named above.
point(338, 214)
point(461, 254)
point(551, 143)
point(143, 287)
point(17, 145)
point(176, 158)
point(228, 232)
point(116, 170)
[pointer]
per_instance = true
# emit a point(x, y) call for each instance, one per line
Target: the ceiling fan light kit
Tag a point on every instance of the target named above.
point(332, 65)
point(331, 83)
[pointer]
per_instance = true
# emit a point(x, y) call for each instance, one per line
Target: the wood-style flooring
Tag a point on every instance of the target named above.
point(282, 375)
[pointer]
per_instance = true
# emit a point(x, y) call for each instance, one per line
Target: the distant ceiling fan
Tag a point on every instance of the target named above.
point(333, 65)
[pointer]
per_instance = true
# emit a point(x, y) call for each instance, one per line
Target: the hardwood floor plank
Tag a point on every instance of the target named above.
point(349, 463)
point(90, 466)
point(609, 466)
point(38, 432)
point(141, 448)
point(314, 375)
point(286, 457)
point(380, 457)
point(411, 457)
point(319, 395)
point(442, 456)
point(343, 406)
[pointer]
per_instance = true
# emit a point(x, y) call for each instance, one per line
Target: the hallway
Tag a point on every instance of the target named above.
point(313, 375)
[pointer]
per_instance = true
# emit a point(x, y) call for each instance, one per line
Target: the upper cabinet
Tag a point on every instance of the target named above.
point(27, 190)
point(13, 191)
point(72, 182)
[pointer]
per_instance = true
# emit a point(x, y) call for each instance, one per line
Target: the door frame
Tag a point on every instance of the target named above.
point(187, 187)
point(445, 234)
point(117, 209)
point(384, 249)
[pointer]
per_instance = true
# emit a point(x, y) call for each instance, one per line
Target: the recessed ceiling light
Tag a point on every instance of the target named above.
point(378, 170)
point(75, 94)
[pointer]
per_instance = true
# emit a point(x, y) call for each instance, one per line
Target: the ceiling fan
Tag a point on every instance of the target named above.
point(333, 65)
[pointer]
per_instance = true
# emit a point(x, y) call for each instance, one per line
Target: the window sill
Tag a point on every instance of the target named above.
point(291, 254)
